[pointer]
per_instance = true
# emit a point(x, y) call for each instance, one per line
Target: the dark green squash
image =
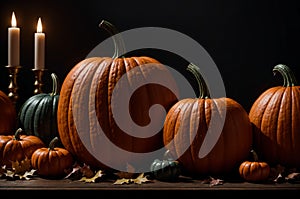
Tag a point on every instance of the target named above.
point(38, 114)
point(166, 169)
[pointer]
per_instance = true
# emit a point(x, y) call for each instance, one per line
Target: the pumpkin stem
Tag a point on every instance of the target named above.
point(203, 90)
point(287, 74)
point(117, 39)
point(54, 84)
point(53, 143)
point(17, 134)
point(255, 156)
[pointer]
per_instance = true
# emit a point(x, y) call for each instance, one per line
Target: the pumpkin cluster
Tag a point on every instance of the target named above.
point(204, 135)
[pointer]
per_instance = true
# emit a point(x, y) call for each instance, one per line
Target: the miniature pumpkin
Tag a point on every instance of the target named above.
point(188, 123)
point(105, 73)
point(52, 161)
point(17, 147)
point(166, 169)
point(276, 119)
point(38, 114)
point(254, 171)
point(8, 115)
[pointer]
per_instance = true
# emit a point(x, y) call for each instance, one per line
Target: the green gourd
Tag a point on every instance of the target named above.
point(38, 114)
point(166, 169)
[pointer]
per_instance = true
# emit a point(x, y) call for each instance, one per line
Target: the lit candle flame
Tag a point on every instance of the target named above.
point(39, 25)
point(13, 20)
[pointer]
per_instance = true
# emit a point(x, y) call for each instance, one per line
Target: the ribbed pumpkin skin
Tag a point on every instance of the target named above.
point(232, 146)
point(254, 171)
point(52, 162)
point(17, 147)
point(38, 116)
point(113, 69)
point(276, 117)
point(8, 115)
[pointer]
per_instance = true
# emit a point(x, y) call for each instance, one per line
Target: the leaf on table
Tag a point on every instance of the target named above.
point(140, 179)
point(215, 181)
point(75, 173)
point(293, 177)
point(22, 166)
point(2, 171)
point(123, 181)
point(87, 171)
point(9, 174)
point(129, 173)
point(27, 175)
point(98, 175)
point(277, 173)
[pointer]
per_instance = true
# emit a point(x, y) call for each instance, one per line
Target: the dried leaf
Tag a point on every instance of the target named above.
point(2, 171)
point(87, 171)
point(140, 179)
point(9, 174)
point(293, 177)
point(214, 182)
point(21, 167)
point(129, 173)
point(122, 181)
point(99, 174)
point(27, 175)
point(75, 172)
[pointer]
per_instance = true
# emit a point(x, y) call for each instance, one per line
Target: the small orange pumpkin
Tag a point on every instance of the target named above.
point(52, 161)
point(254, 171)
point(17, 147)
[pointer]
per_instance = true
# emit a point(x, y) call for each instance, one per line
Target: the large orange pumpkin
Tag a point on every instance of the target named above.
point(276, 118)
point(99, 76)
point(8, 115)
point(205, 140)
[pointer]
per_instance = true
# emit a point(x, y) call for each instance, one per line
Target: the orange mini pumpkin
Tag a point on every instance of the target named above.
point(52, 161)
point(254, 171)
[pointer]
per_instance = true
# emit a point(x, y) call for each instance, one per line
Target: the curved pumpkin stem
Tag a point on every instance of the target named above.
point(203, 90)
point(287, 74)
point(17, 134)
point(53, 143)
point(255, 156)
point(117, 39)
point(55, 84)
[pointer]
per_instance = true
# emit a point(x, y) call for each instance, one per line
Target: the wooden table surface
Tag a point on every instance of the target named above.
point(154, 188)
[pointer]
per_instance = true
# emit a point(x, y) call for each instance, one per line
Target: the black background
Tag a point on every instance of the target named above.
point(245, 38)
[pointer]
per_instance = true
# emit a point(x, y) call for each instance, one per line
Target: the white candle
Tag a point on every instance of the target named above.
point(13, 43)
point(39, 47)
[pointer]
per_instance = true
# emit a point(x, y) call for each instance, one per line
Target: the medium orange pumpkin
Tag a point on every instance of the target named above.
point(105, 73)
point(191, 120)
point(8, 115)
point(276, 118)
